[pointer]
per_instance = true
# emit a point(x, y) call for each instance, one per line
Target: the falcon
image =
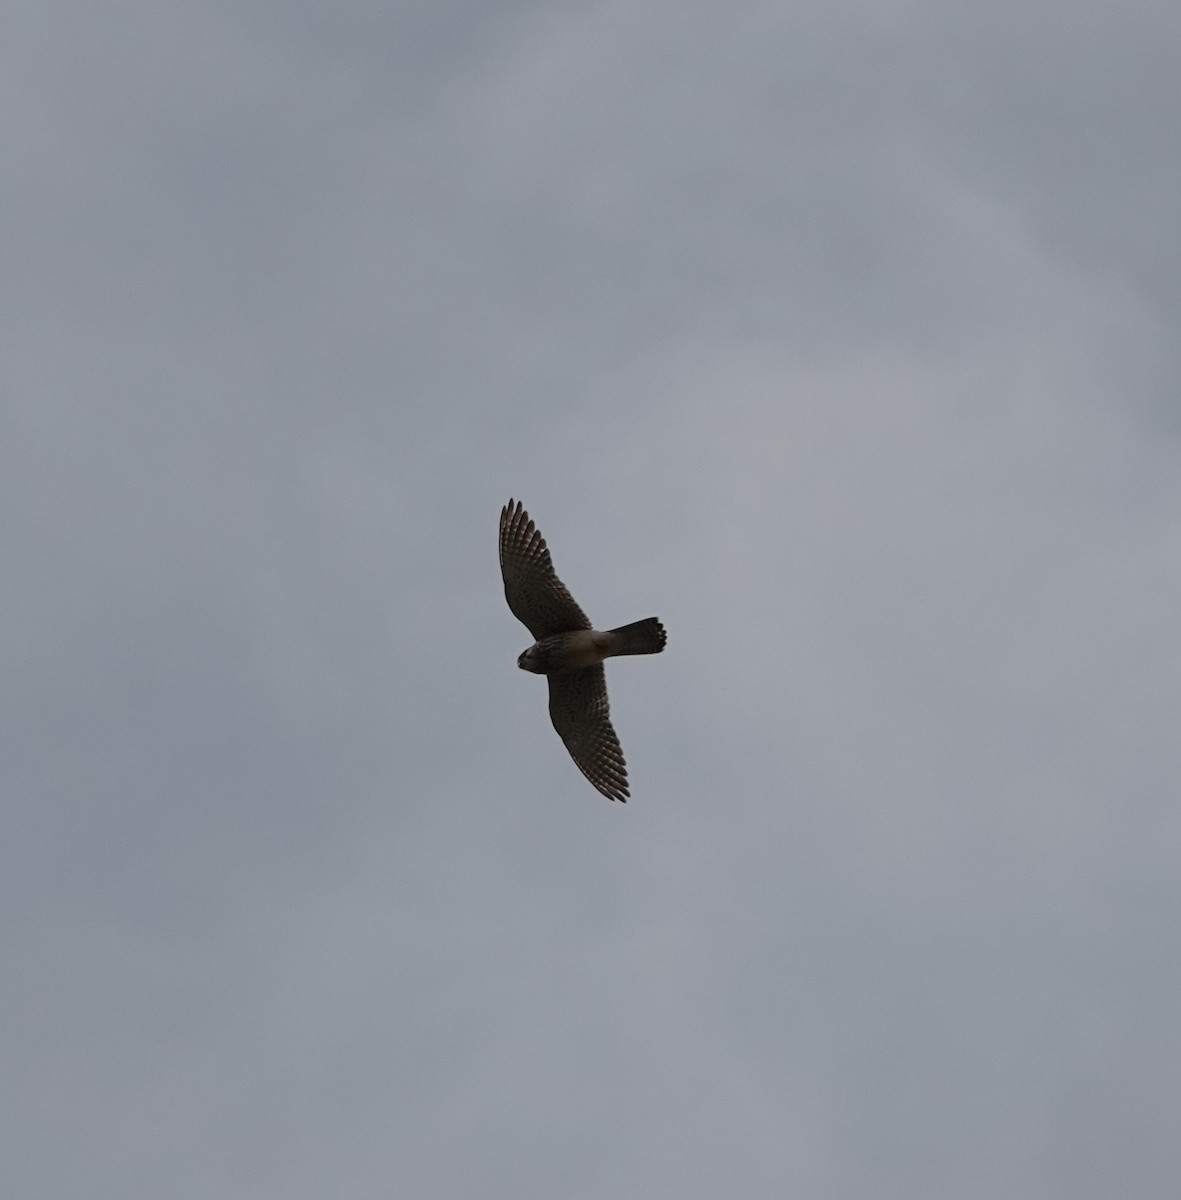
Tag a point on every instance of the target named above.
point(568, 651)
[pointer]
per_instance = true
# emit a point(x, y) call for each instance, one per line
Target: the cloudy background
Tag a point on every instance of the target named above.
point(844, 337)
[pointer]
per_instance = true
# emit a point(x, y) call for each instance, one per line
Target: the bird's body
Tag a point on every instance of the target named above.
point(565, 652)
point(588, 647)
point(569, 651)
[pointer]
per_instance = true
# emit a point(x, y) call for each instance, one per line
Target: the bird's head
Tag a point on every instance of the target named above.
point(530, 660)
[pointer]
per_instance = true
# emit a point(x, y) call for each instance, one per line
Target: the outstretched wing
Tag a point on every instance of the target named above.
point(578, 708)
point(537, 597)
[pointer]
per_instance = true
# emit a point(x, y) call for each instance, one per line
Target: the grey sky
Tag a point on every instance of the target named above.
point(844, 339)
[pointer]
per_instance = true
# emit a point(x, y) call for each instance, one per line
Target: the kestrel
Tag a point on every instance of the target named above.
point(568, 651)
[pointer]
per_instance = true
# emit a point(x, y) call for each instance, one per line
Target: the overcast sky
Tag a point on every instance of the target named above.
point(841, 336)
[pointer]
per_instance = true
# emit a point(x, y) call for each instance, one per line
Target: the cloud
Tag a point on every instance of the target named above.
point(836, 338)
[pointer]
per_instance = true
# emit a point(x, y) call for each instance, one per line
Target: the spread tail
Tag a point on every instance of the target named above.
point(641, 637)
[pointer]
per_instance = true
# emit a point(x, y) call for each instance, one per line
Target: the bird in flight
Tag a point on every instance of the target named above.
point(568, 651)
